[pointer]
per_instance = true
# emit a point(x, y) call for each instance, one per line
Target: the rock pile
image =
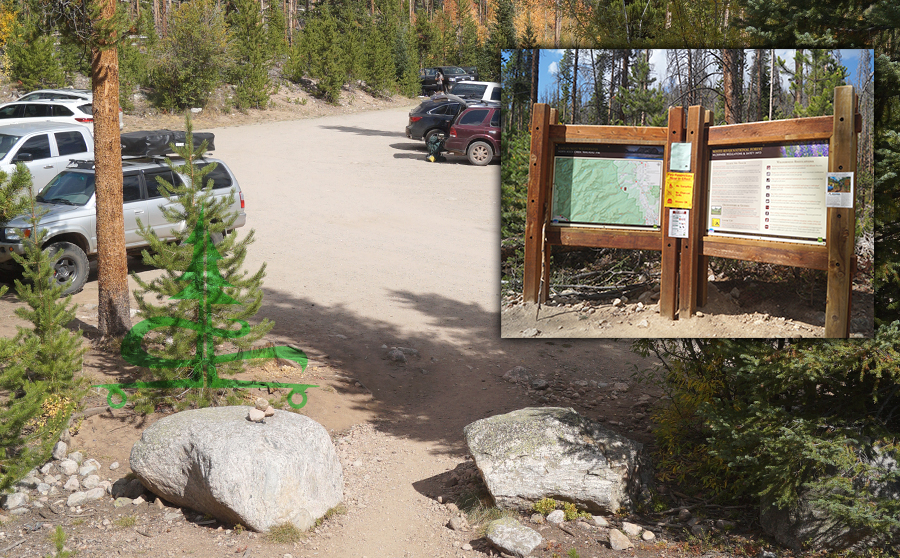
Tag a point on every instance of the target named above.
point(67, 479)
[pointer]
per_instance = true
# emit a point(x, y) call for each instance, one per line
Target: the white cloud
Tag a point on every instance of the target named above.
point(553, 68)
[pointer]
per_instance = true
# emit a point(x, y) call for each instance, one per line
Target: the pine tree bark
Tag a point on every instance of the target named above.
point(730, 82)
point(112, 266)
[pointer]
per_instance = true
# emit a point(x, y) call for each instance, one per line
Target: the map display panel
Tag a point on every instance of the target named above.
point(612, 185)
point(769, 191)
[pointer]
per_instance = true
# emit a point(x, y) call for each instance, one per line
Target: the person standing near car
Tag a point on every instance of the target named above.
point(440, 82)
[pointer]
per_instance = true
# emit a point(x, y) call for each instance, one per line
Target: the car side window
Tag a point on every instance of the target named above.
point(38, 146)
point(473, 117)
point(454, 108)
point(131, 188)
point(495, 119)
point(87, 109)
point(68, 143)
point(59, 110)
point(440, 109)
point(12, 111)
point(38, 111)
point(495, 94)
point(153, 184)
point(219, 176)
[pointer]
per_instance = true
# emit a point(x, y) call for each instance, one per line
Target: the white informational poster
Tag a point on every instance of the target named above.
point(678, 222)
point(840, 190)
point(769, 191)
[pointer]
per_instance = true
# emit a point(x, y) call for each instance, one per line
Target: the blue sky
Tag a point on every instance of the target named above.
point(550, 60)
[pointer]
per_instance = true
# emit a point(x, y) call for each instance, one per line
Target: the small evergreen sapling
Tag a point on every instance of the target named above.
point(38, 366)
point(239, 293)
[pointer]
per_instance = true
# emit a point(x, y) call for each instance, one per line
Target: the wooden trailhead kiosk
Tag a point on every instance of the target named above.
point(777, 192)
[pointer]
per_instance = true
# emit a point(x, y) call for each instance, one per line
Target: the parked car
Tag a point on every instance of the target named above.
point(472, 71)
point(453, 75)
point(71, 222)
point(56, 94)
point(76, 111)
point(45, 148)
point(434, 116)
point(477, 90)
point(476, 134)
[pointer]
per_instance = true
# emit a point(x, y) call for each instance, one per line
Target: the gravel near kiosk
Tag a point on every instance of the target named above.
point(387, 279)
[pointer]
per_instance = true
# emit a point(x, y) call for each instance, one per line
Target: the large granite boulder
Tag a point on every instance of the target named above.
point(552, 452)
point(259, 475)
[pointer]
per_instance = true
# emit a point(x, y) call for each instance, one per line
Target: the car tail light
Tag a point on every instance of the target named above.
point(84, 120)
point(414, 119)
point(242, 200)
point(452, 132)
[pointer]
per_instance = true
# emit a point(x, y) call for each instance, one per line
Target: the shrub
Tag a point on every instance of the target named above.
point(777, 419)
point(190, 62)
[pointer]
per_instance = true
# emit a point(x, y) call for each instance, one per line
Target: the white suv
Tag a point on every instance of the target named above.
point(71, 111)
point(71, 218)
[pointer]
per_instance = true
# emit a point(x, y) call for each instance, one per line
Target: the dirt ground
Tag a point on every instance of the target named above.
point(368, 247)
point(753, 309)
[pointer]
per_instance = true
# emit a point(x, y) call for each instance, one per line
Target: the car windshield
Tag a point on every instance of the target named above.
point(68, 188)
point(453, 70)
point(7, 142)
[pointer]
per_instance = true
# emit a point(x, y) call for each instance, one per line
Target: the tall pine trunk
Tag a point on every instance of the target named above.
point(112, 265)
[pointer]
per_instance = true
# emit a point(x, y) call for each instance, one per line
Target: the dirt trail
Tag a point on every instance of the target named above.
point(367, 247)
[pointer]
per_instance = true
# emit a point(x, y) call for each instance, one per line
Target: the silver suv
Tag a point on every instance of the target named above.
point(71, 220)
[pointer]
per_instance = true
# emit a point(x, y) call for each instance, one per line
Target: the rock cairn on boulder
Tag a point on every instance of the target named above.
point(553, 452)
point(257, 474)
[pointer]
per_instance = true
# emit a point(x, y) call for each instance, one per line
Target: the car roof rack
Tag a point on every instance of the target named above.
point(158, 143)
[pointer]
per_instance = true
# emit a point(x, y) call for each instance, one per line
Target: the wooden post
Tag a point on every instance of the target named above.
point(668, 280)
point(691, 247)
point(841, 226)
point(536, 203)
point(703, 272)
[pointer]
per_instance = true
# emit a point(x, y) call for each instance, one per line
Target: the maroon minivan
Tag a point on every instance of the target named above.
point(476, 134)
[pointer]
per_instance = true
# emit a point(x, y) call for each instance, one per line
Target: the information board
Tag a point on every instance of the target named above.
point(771, 191)
point(607, 185)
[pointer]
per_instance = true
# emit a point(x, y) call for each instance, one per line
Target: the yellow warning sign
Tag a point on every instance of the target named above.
point(679, 190)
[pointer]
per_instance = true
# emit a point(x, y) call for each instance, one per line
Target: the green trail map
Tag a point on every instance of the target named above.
point(603, 191)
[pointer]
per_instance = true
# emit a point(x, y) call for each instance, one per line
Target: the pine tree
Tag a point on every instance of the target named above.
point(38, 366)
point(194, 204)
point(253, 47)
point(643, 105)
point(887, 190)
point(823, 74)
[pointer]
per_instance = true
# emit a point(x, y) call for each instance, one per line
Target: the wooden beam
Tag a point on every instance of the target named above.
point(668, 280)
point(627, 135)
point(766, 251)
point(841, 222)
point(777, 131)
point(535, 207)
point(591, 237)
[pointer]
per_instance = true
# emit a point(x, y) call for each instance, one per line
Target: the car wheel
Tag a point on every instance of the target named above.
point(433, 133)
point(480, 153)
point(71, 265)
